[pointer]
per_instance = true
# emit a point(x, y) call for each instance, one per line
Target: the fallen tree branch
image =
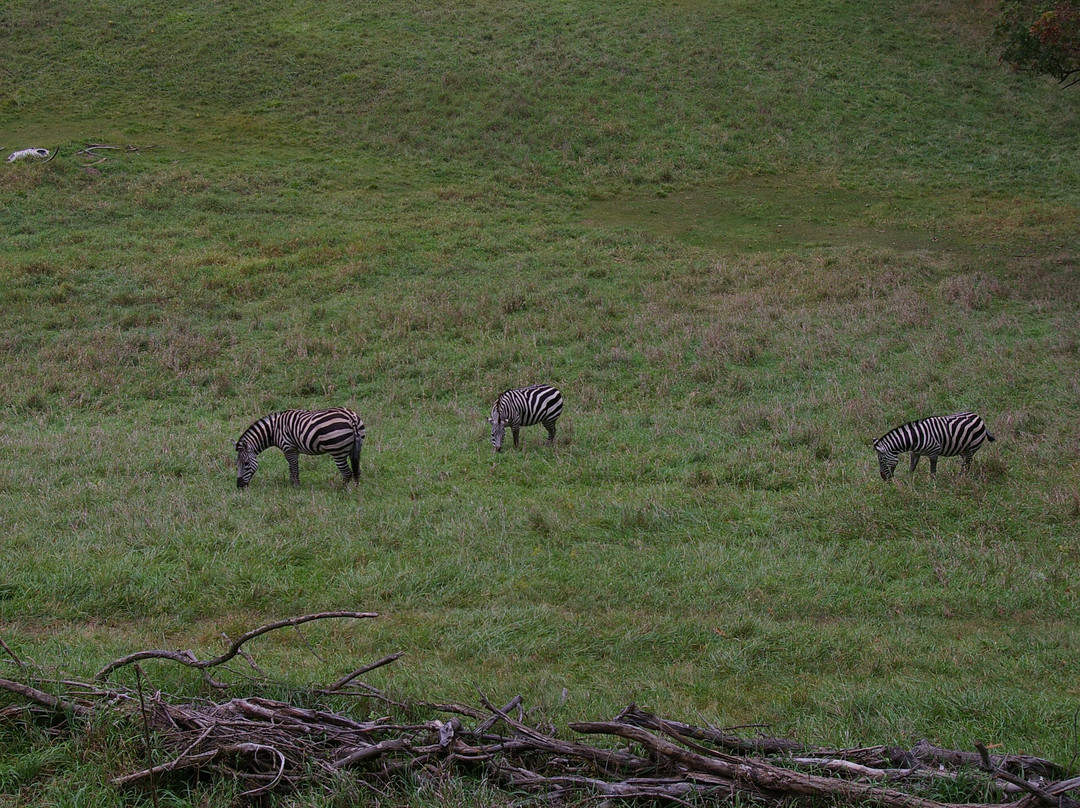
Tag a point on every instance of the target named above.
point(732, 743)
point(998, 771)
point(340, 683)
point(45, 699)
point(188, 658)
point(183, 761)
point(850, 768)
point(11, 654)
point(1064, 786)
point(93, 148)
point(762, 776)
point(1017, 764)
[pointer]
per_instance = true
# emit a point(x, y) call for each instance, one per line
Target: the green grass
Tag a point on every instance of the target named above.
point(744, 241)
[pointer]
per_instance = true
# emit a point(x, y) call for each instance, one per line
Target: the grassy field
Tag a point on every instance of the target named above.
point(744, 239)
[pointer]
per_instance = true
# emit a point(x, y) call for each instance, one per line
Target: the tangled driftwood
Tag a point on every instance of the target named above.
point(272, 745)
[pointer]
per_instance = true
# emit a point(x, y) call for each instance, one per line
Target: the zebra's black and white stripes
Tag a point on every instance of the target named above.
point(525, 406)
point(939, 436)
point(337, 432)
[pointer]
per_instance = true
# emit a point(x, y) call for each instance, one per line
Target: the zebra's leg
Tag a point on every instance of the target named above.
point(965, 458)
point(914, 461)
point(933, 464)
point(551, 433)
point(342, 463)
point(515, 430)
point(294, 467)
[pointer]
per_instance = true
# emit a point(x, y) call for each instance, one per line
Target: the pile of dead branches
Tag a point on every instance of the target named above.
point(273, 746)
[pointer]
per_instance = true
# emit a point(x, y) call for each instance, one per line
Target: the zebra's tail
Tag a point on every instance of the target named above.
point(990, 437)
point(354, 454)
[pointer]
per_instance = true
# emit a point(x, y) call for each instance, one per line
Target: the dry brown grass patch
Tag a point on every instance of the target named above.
point(974, 291)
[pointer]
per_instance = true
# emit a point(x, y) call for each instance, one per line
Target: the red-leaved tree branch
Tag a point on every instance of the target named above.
point(1041, 37)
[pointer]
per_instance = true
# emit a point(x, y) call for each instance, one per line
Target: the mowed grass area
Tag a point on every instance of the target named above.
point(744, 241)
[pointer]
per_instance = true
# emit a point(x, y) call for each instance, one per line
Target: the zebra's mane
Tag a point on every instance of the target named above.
point(253, 436)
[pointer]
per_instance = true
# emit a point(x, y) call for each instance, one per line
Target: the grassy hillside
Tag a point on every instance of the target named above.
point(745, 239)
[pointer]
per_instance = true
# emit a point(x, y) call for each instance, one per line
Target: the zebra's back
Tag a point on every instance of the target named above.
point(526, 406)
point(949, 434)
point(332, 431)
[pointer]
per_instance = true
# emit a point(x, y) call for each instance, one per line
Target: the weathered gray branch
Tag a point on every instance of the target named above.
point(44, 699)
point(340, 683)
point(188, 658)
point(730, 742)
point(1017, 764)
point(765, 777)
point(11, 653)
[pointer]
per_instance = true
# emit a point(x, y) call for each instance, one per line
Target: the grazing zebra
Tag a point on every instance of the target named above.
point(525, 406)
point(337, 432)
point(939, 436)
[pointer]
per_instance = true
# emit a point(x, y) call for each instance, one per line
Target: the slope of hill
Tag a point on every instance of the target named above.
point(745, 239)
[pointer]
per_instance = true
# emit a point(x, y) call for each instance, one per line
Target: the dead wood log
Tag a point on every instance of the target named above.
point(1064, 786)
point(875, 762)
point(45, 699)
point(987, 765)
point(371, 751)
point(848, 768)
point(763, 776)
point(617, 760)
point(1022, 765)
point(730, 742)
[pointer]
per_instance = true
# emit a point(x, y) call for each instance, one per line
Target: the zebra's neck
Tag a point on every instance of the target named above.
point(905, 437)
point(261, 434)
point(898, 441)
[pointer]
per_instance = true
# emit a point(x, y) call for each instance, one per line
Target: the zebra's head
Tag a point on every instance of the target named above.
point(247, 461)
point(886, 459)
point(498, 430)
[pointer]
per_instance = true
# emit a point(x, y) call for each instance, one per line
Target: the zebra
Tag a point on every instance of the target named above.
point(938, 436)
point(337, 432)
point(525, 406)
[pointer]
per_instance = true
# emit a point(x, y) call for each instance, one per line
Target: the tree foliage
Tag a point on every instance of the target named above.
point(1042, 37)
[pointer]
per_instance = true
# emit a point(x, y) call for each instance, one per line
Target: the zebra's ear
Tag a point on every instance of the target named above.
point(490, 421)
